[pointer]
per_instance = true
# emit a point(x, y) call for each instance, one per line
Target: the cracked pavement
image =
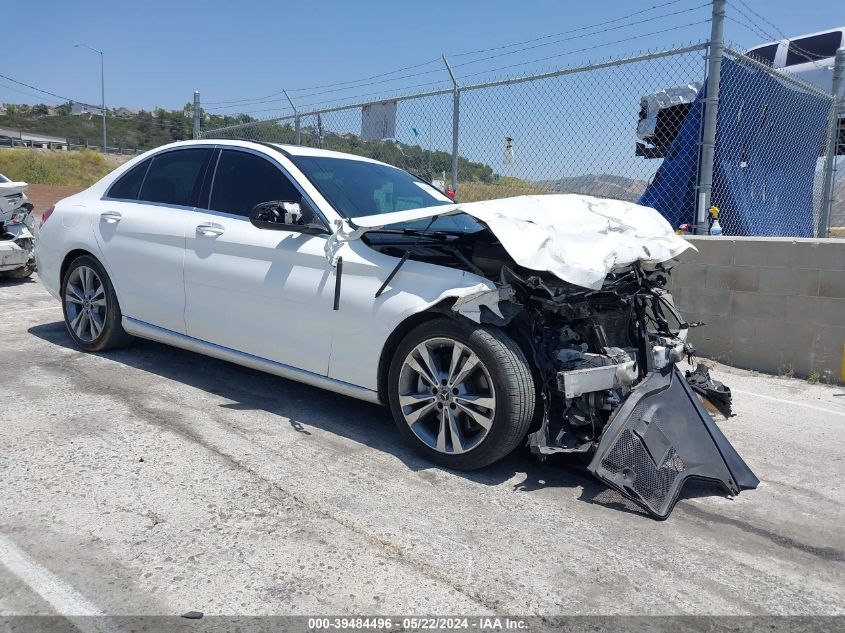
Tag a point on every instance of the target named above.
point(157, 481)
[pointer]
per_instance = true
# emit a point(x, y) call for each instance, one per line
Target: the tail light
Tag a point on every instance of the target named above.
point(46, 215)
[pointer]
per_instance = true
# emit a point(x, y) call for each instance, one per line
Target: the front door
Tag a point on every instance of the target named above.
point(266, 293)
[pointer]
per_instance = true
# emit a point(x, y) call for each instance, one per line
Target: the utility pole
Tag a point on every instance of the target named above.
point(456, 113)
point(196, 114)
point(102, 87)
point(296, 123)
point(832, 143)
point(716, 51)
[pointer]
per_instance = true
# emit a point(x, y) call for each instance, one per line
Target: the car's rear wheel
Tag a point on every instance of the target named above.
point(90, 306)
point(461, 393)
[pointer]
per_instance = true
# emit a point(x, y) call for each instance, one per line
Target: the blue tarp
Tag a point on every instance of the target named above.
point(768, 140)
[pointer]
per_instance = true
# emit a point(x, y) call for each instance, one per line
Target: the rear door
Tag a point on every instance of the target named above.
point(262, 292)
point(141, 232)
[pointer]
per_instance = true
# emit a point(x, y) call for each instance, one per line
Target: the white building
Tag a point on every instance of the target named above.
point(78, 109)
point(126, 113)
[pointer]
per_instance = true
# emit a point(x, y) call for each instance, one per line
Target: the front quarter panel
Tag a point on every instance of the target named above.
point(363, 323)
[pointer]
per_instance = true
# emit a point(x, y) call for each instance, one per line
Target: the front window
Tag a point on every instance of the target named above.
point(173, 176)
point(357, 188)
point(243, 180)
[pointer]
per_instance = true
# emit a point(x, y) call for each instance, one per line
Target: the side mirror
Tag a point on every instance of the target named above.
point(281, 215)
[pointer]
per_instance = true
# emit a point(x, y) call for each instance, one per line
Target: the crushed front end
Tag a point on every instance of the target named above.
point(607, 365)
point(580, 284)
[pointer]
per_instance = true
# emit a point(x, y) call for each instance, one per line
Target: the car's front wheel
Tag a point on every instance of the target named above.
point(92, 314)
point(462, 394)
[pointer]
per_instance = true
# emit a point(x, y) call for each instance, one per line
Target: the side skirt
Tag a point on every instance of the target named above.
point(145, 330)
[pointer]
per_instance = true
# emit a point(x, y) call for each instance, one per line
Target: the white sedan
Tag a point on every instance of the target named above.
point(538, 320)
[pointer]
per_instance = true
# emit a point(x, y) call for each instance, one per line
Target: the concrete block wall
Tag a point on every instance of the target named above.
point(775, 305)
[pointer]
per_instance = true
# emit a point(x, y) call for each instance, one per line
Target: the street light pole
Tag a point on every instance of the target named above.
point(102, 88)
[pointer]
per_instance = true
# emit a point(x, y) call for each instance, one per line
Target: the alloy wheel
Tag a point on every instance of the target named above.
point(446, 395)
point(85, 303)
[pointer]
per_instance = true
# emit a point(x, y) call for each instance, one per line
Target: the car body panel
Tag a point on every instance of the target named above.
point(577, 238)
point(278, 282)
point(144, 250)
point(365, 322)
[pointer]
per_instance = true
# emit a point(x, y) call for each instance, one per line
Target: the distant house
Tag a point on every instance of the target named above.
point(126, 113)
point(2, 110)
point(78, 109)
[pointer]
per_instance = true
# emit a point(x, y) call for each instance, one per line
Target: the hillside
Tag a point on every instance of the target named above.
point(69, 169)
point(142, 131)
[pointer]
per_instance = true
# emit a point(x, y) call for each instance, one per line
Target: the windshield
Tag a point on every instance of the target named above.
point(357, 188)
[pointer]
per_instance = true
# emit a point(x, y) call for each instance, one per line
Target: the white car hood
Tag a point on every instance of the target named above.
point(579, 239)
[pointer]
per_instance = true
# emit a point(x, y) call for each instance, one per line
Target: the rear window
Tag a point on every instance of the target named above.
point(764, 54)
point(129, 184)
point(173, 175)
point(813, 48)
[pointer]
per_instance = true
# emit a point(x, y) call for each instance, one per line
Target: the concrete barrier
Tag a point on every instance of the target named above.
point(772, 304)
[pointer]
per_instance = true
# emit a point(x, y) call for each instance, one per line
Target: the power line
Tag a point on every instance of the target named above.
point(342, 83)
point(582, 28)
point(352, 81)
point(275, 94)
point(46, 92)
point(575, 37)
point(28, 94)
point(493, 70)
point(590, 48)
point(337, 87)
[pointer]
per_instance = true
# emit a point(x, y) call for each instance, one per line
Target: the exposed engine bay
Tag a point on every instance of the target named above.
point(605, 366)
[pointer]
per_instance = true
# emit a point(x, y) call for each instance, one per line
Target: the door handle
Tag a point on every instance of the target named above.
point(210, 229)
point(110, 217)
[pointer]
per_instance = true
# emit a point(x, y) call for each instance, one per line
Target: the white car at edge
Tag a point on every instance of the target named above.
point(479, 324)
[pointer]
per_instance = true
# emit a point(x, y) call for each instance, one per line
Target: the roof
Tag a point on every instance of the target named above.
point(293, 150)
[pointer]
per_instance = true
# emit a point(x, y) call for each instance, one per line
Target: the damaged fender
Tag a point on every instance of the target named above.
point(660, 438)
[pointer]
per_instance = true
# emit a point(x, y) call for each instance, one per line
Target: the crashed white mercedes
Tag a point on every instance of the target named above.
point(537, 320)
point(16, 239)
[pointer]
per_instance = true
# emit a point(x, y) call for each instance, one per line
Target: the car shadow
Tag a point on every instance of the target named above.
point(305, 407)
point(12, 281)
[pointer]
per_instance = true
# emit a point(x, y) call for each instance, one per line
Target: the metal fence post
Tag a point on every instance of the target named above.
point(296, 120)
point(456, 115)
point(711, 110)
point(196, 114)
point(832, 144)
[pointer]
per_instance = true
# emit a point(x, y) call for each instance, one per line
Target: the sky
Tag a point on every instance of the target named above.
point(158, 52)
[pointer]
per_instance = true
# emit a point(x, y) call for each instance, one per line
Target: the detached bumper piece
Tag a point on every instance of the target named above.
point(660, 438)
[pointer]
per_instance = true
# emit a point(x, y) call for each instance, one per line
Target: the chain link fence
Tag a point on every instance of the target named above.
point(627, 128)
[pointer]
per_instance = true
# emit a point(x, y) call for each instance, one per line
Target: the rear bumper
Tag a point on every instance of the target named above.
point(14, 255)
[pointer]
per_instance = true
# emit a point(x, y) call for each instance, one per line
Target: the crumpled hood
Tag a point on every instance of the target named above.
point(579, 239)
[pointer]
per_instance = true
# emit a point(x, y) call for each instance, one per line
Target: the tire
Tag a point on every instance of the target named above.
point(502, 378)
point(110, 333)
